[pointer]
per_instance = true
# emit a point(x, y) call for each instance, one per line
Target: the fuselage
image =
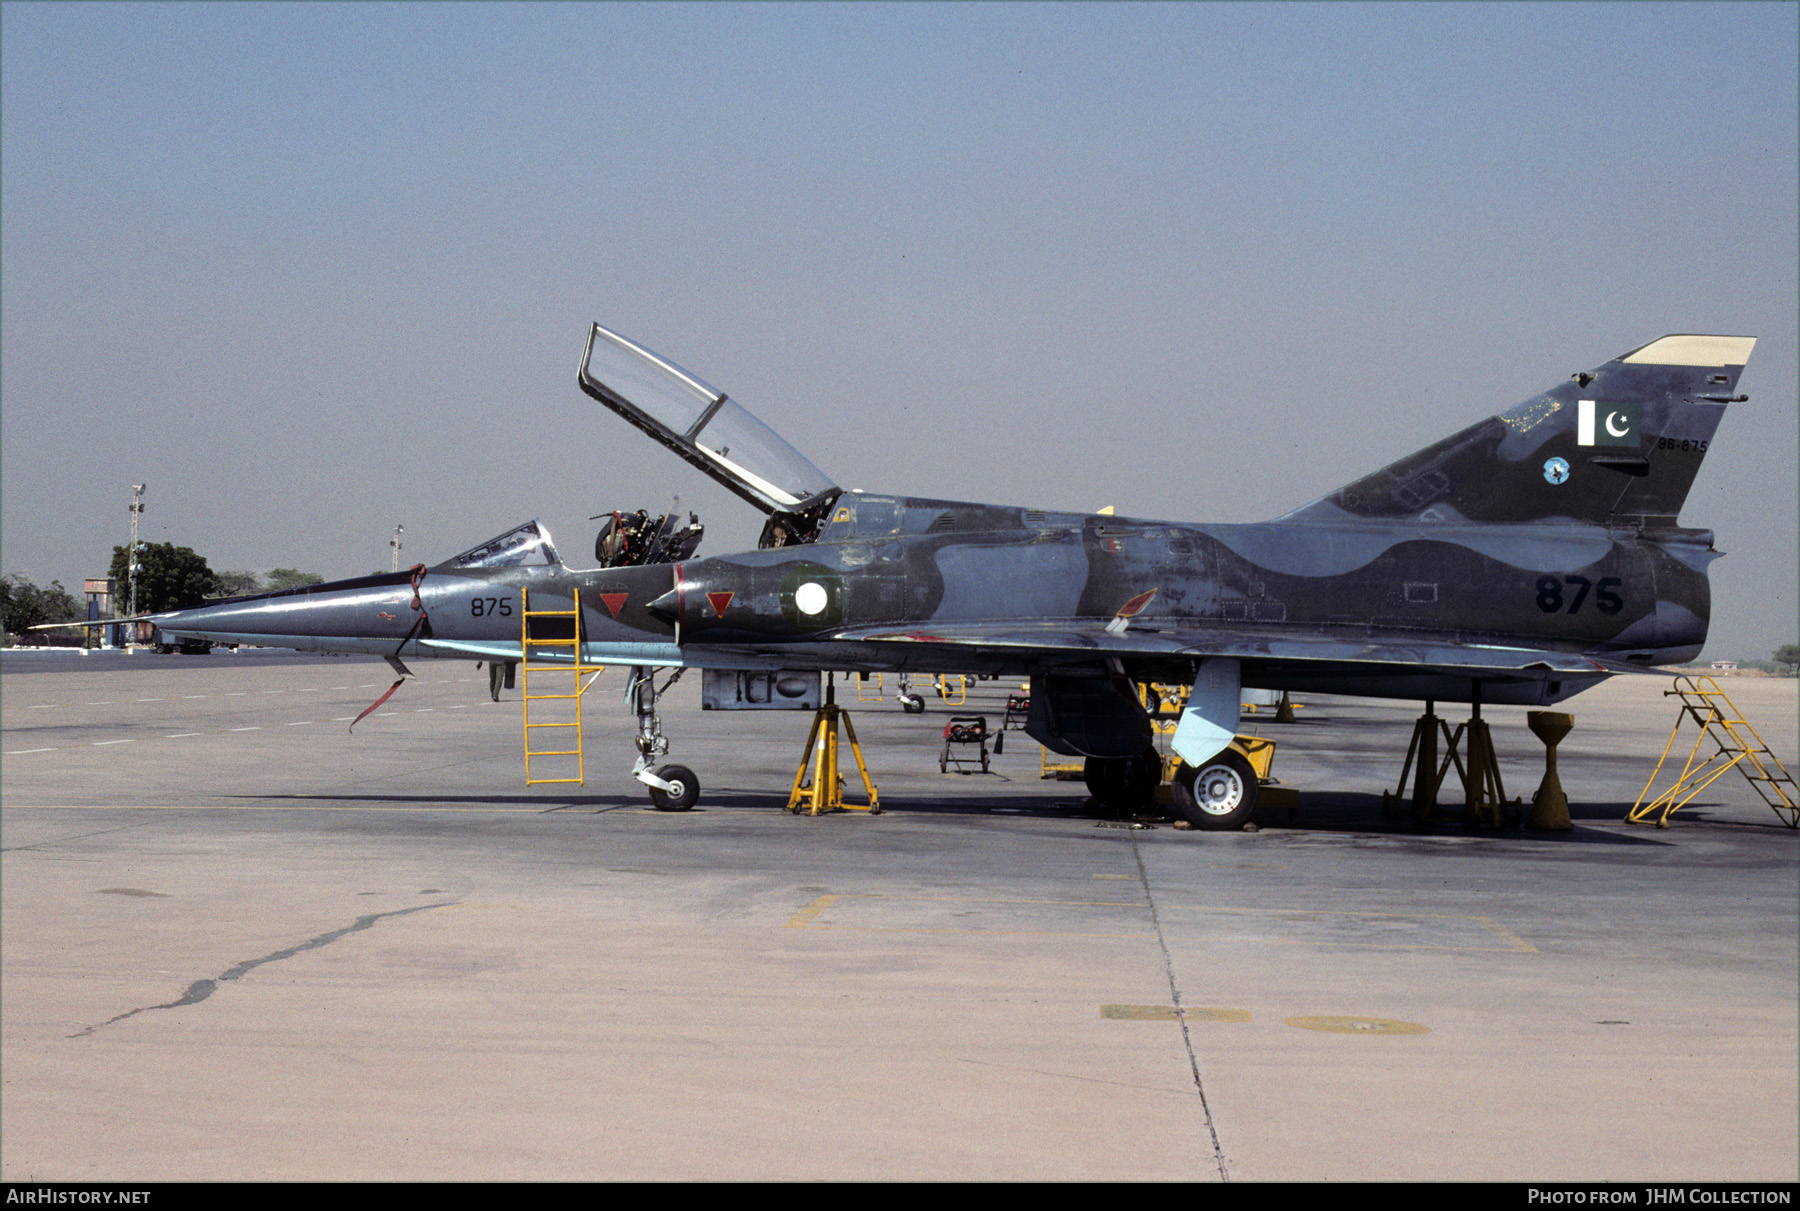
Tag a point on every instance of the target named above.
point(894, 563)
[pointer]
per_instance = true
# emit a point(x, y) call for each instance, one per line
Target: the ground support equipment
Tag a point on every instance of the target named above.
point(1550, 806)
point(1735, 745)
point(961, 732)
point(1484, 792)
point(818, 787)
point(530, 645)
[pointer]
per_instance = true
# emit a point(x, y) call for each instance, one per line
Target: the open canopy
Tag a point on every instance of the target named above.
point(701, 424)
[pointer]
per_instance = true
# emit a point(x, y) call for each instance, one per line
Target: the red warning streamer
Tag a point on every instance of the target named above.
point(418, 574)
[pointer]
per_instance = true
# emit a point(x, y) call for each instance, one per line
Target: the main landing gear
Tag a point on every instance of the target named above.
point(673, 788)
point(1219, 795)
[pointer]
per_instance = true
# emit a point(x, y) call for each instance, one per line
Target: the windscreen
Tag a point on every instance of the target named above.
point(716, 434)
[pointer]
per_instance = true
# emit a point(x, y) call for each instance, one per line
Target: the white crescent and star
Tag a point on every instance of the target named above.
point(1616, 432)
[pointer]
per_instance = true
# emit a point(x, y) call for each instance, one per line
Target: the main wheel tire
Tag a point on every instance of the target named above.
point(912, 704)
point(1219, 795)
point(685, 793)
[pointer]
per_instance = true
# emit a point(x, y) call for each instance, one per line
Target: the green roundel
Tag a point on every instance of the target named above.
point(812, 596)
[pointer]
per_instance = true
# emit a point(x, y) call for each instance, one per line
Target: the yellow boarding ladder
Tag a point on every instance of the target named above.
point(1736, 744)
point(574, 668)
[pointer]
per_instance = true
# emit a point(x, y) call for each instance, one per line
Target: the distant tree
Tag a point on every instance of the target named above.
point(1788, 654)
point(236, 584)
point(24, 605)
point(291, 578)
point(169, 577)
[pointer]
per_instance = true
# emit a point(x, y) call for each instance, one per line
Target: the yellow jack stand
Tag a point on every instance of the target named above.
point(818, 788)
point(1484, 794)
point(1422, 751)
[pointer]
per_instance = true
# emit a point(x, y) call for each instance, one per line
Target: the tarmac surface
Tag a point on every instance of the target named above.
point(238, 942)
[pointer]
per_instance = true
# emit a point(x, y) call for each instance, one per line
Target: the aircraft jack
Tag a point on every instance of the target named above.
point(1484, 792)
point(818, 788)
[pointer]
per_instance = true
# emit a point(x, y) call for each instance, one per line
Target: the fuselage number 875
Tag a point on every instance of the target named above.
point(1550, 593)
point(480, 607)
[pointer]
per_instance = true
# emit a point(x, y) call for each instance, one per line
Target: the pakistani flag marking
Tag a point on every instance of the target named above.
point(1600, 424)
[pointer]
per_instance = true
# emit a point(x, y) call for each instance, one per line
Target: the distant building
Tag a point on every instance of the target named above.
point(1725, 666)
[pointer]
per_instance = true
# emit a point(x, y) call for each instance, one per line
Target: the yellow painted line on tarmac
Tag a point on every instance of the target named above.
point(804, 917)
point(1168, 1013)
point(1357, 1025)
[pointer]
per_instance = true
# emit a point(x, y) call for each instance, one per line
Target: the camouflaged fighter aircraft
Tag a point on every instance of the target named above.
point(1520, 560)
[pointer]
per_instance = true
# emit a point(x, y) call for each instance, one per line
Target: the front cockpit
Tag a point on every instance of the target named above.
point(712, 432)
point(525, 546)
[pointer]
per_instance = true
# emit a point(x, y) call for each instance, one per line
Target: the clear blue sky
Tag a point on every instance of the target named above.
point(310, 271)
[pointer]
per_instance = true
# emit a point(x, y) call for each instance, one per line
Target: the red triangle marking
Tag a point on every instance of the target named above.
point(614, 602)
point(719, 601)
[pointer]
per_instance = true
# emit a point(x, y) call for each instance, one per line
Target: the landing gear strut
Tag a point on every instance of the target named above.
point(673, 788)
point(911, 703)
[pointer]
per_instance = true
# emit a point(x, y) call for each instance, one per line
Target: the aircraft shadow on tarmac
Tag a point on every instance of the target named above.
point(1320, 813)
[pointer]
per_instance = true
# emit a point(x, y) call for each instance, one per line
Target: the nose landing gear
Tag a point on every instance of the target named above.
point(673, 788)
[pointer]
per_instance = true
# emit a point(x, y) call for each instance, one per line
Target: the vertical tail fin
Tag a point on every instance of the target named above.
point(1618, 445)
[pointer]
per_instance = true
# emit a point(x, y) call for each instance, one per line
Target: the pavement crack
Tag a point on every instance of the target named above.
point(199, 990)
point(1187, 1037)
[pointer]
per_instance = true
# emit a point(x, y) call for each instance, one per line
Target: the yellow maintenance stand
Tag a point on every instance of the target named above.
point(818, 788)
point(1735, 746)
point(550, 635)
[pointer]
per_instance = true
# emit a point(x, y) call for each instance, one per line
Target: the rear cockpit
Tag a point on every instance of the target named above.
point(712, 432)
point(630, 539)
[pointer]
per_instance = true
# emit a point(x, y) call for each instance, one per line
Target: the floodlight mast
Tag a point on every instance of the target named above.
point(394, 542)
point(137, 508)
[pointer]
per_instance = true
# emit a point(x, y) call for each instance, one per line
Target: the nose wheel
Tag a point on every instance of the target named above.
point(911, 703)
point(673, 788)
point(679, 789)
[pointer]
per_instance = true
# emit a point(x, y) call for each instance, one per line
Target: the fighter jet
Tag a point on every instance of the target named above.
point(1520, 560)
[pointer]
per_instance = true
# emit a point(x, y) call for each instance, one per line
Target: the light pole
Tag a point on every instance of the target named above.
point(131, 567)
point(394, 542)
